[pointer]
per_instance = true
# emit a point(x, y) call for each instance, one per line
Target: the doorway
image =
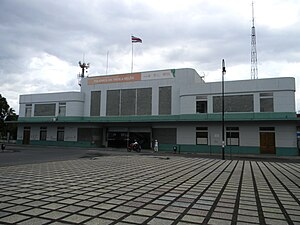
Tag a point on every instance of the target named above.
point(143, 138)
point(267, 143)
point(122, 139)
point(117, 139)
point(26, 136)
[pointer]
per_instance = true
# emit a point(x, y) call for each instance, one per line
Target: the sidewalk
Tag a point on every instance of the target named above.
point(150, 189)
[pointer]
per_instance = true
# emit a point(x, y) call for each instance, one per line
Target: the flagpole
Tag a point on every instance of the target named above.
point(131, 56)
point(107, 62)
point(134, 40)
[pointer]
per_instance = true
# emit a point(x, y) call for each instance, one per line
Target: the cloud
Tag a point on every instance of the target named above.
point(42, 41)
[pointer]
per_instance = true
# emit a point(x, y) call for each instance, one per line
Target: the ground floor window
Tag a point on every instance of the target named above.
point(232, 136)
point(60, 133)
point(43, 133)
point(202, 136)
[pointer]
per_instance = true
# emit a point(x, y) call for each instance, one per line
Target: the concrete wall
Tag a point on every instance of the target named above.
point(74, 102)
point(284, 101)
point(285, 133)
point(186, 85)
point(184, 78)
point(283, 90)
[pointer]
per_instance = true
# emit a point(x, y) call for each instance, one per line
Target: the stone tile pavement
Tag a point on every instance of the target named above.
point(150, 190)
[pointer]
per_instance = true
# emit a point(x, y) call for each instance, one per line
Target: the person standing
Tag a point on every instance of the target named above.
point(156, 146)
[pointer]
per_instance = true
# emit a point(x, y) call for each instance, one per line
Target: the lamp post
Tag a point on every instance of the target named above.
point(223, 109)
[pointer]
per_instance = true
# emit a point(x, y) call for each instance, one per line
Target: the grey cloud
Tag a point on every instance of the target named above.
point(66, 29)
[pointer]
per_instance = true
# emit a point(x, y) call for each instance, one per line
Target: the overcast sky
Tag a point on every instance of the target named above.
point(42, 41)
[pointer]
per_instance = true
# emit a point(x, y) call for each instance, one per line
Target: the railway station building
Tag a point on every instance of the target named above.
point(175, 107)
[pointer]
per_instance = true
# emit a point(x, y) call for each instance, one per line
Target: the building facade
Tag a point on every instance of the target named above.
point(175, 107)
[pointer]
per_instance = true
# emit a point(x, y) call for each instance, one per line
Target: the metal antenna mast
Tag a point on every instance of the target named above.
point(84, 66)
point(254, 71)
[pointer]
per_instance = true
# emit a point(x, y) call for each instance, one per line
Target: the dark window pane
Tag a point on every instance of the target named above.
point(232, 128)
point(165, 100)
point(165, 135)
point(144, 101)
point(201, 128)
point(266, 94)
point(266, 105)
point(201, 106)
point(113, 103)
point(201, 138)
point(95, 103)
point(44, 110)
point(232, 138)
point(235, 103)
point(89, 134)
point(60, 133)
point(267, 128)
point(43, 133)
point(62, 109)
point(128, 101)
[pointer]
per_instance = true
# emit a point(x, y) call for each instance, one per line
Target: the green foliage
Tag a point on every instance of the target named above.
point(7, 114)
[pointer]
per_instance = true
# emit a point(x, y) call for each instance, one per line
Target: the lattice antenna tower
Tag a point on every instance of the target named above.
point(254, 71)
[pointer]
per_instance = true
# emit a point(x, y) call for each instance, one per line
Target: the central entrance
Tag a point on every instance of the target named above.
point(121, 137)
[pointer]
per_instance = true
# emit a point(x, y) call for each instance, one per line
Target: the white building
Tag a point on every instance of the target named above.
point(175, 107)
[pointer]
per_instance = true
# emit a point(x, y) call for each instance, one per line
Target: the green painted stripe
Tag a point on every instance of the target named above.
point(241, 150)
point(62, 143)
point(281, 151)
point(213, 117)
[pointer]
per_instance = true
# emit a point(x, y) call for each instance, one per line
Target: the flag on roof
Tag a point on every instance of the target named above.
point(135, 39)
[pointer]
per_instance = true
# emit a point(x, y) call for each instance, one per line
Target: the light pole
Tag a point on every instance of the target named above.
point(223, 109)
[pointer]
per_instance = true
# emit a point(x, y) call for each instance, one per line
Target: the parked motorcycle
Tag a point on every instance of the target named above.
point(135, 146)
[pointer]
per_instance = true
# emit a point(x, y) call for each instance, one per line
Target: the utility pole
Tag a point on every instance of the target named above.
point(254, 71)
point(223, 110)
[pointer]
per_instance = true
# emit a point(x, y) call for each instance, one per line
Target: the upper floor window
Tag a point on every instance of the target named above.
point(201, 104)
point(44, 109)
point(28, 110)
point(62, 109)
point(165, 100)
point(266, 102)
point(95, 103)
point(234, 103)
point(129, 102)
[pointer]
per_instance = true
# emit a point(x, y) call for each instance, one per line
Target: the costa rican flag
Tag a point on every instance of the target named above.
point(135, 39)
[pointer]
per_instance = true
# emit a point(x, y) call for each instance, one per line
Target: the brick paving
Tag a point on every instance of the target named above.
point(159, 190)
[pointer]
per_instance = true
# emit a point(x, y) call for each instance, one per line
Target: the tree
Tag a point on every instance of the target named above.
point(7, 114)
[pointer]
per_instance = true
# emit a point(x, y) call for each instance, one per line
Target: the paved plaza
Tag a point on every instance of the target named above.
point(150, 189)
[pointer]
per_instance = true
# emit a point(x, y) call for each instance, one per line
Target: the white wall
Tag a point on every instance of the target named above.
point(183, 79)
point(284, 101)
point(283, 90)
point(74, 102)
point(283, 135)
point(186, 135)
point(70, 133)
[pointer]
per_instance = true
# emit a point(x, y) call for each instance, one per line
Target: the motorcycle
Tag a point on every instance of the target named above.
point(135, 146)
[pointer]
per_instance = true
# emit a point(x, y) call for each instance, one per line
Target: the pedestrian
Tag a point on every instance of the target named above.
point(156, 146)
